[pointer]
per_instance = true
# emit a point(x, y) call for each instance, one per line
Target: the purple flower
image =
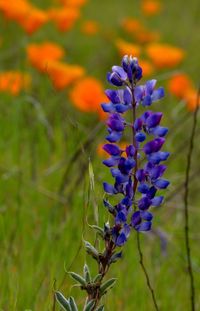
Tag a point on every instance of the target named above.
point(144, 203)
point(144, 226)
point(121, 101)
point(112, 161)
point(121, 239)
point(140, 137)
point(140, 175)
point(112, 149)
point(146, 215)
point(120, 218)
point(154, 119)
point(132, 68)
point(114, 136)
point(117, 77)
point(115, 96)
point(159, 131)
point(120, 234)
point(157, 171)
point(153, 145)
point(116, 122)
point(157, 201)
point(130, 151)
point(161, 183)
point(143, 188)
point(138, 124)
point(146, 94)
point(157, 157)
point(136, 219)
point(109, 188)
point(133, 184)
point(141, 220)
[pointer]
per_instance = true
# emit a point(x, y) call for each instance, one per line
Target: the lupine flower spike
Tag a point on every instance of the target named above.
point(138, 181)
point(137, 170)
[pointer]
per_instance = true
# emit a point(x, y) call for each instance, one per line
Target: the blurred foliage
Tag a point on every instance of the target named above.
point(46, 143)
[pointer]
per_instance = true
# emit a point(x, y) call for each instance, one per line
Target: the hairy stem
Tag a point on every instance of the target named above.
point(104, 265)
point(186, 212)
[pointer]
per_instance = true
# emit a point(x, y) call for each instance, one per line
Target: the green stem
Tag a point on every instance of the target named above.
point(186, 213)
point(134, 189)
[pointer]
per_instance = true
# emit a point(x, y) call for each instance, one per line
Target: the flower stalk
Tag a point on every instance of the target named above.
point(136, 185)
point(186, 211)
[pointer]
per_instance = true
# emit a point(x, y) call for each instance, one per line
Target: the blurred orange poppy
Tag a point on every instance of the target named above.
point(14, 81)
point(146, 36)
point(139, 31)
point(151, 7)
point(191, 99)
point(14, 9)
point(127, 48)
point(33, 20)
point(73, 3)
point(41, 54)
point(62, 74)
point(90, 27)
point(164, 55)
point(131, 25)
point(29, 17)
point(147, 68)
point(64, 18)
point(88, 94)
point(180, 84)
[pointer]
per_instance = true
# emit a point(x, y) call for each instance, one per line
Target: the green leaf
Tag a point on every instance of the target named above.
point(91, 250)
point(95, 206)
point(99, 230)
point(78, 278)
point(89, 305)
point(101, 308)
point(73, 304)
point(107, 285)
point(91, 175)
point(86, 273)
point(97, 278)
point(64, 303)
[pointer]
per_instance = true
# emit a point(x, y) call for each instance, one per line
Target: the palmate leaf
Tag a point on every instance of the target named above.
point(63, 302)
point(107, 285)
point(78, 278)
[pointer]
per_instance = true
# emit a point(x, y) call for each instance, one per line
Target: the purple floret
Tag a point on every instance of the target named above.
point(136, 184)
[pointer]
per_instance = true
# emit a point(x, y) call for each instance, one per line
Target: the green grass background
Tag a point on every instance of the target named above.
point(40, 220)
